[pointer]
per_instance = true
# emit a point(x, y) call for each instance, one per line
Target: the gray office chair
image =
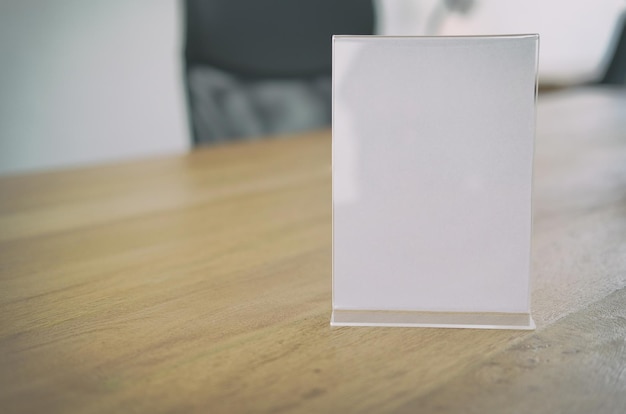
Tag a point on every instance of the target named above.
point(263, 68)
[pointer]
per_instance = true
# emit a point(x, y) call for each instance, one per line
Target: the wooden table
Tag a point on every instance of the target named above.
point(201, 283)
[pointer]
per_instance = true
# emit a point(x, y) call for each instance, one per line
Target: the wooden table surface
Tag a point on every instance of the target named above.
point(202, 283)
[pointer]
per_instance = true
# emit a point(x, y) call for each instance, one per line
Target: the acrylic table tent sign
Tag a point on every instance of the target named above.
point(432, 179)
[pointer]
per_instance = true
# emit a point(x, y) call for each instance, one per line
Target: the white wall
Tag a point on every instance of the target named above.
point(575, 34)
point(89, 82)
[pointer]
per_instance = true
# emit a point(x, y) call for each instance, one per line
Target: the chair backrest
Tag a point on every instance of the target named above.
point(271, 38)
point(259, 68)
point(616, 71)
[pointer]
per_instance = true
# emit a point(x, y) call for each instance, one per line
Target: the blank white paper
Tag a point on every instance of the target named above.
point(432, 173)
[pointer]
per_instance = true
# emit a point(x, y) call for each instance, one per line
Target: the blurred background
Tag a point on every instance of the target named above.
point(102, 81)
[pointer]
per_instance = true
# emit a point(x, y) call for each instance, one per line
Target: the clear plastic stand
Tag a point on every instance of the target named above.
point(432, 180)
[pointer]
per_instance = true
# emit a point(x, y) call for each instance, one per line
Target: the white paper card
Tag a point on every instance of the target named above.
point(432, 179)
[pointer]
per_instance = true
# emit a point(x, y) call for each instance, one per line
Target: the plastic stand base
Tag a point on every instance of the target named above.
point(477, 320)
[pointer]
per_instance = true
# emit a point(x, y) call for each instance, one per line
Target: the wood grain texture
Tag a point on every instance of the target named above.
point(201, 283)
point(578, 364)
